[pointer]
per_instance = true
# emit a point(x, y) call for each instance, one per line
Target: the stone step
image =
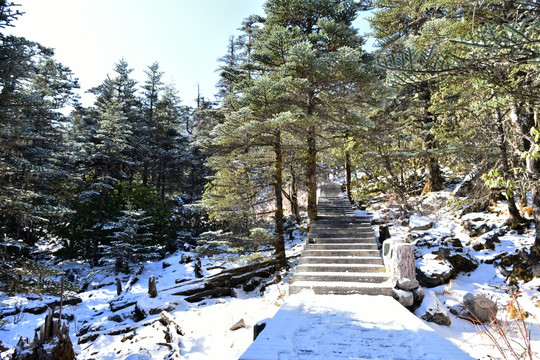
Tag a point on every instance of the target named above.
point(323, 212)
point(344, 246)
point(356, 235)
point(345, 229)
point(342, 277)
point(342, 218)
point(340, 267)
point(340, 225)
point(327, 259)
point(341, 288)
point(369, 256)
point(366, 229)
point(366, 239)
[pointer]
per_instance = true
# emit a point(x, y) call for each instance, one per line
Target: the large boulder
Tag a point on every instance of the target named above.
point(433, 310)
point(476, 308)
point(462, 263)
point(420, 223)
point(399, 261)
point(433, 271)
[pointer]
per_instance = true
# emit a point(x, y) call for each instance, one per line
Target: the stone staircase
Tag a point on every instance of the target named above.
point(341, 254)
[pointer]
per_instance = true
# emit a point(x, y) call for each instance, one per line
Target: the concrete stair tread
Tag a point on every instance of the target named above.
point(342, 254)
point(341, 287)
point(342, 284)
point(352, 268)
point(312, 260)
point(343, 245)
point(380, 275)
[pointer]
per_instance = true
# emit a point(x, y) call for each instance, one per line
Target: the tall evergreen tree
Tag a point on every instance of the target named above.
point(34, 87)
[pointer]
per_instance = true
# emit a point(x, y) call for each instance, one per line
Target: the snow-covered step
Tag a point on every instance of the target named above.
point(342, 246)
point(340, 267)
point(340, 226)
point(331, 260)
point(335, 327)
point(341, 288)
point(340, 222)
point(341, 277)
point(340, 234)
point(365, 239)
point(369, 256)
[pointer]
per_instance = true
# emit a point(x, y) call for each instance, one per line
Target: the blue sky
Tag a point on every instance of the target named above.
point(186, 37)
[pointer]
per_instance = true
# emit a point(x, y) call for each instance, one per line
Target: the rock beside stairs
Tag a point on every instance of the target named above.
point(341, 254)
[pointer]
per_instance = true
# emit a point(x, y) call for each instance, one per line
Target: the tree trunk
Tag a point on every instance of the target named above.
point(536, 207)
point(311, 175)
point(434, 178)
point(524, 120)
point(294, 197)
point(515, 217)
point(348, 175)
point(278, 188)
point(145, 173)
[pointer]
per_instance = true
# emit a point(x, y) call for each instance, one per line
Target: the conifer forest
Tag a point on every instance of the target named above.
point(450, 95)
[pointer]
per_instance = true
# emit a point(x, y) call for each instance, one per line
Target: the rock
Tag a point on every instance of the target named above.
point(433, 279)
point(462, 263)
point(443, 253)
point(399, 262)
point(523, 272)
point(152, 306)
point(432, 310)
point(257, 329)
point(407, 284)
point(477, 246)
point(138, 357)
point(419, 223)
point(238, 325)
point(474, 231)
point(478, 308)
point(489, 244)
point(116, 318)
point(418, 295)
point(165, 265)
point(536, 270)
point(384, 233)
point(404, 297)
point(455, 242)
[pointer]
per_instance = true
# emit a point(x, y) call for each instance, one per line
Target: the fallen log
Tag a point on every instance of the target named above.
point(120, 305)
point(40, 308)
point(217, 292)
point(226, 279)
point(118, 330)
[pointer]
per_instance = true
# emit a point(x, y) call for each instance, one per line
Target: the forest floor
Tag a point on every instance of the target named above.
point(207, 324)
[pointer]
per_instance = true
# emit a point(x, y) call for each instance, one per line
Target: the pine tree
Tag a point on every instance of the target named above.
point(131, 238)
point(33, 88)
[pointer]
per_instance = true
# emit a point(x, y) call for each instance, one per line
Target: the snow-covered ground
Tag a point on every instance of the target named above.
point(206, 325)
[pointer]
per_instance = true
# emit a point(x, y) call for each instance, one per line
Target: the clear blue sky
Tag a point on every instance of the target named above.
point(186, 37)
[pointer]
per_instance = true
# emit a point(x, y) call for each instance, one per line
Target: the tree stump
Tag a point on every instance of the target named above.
point(118, 287)
point(52, 342)
point(198, 269)
point(152, 288)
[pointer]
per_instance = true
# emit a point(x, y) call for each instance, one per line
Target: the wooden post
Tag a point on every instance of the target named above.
point(61, 300)
point(152, 288)
point(118, 287)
